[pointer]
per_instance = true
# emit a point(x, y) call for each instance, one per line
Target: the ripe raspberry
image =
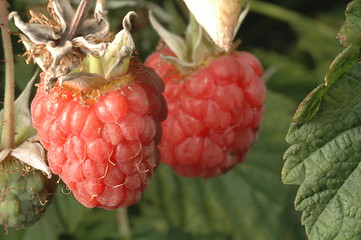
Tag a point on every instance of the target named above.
point(214, 112)
point(215, 94)
point(97, 108)
point(105, 150)
point(26, 193)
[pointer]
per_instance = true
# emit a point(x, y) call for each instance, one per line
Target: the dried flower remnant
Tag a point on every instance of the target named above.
point(57, 44)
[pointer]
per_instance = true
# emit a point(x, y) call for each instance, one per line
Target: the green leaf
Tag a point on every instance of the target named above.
point(350, 37)
point(350, 55)
point(68, 210)
point(98, 224)
point(315, 37)
point(241, 204)
point(309, 107)
point(48, 229)
point(303, 67)
point(324, 160)
point(22, 71)
point(23, 125)
point(350, 32)
point(342, 63)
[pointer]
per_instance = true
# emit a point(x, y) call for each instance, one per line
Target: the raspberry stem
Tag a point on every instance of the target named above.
point(124, 227)
point(8, 133)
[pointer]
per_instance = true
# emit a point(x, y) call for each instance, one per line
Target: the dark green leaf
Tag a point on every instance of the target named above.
point(98, 224)
point(303, 67)
point(343, 61)
point(350, 32)
point(325, 160)
point(68, 210)
point(309, 107)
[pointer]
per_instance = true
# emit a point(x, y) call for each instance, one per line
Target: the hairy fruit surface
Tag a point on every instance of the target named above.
point(214, 114)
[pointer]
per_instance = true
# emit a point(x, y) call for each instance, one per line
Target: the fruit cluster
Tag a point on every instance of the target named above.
point(99, 111)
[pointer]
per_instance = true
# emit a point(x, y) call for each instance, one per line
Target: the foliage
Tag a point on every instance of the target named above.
point(324, 155)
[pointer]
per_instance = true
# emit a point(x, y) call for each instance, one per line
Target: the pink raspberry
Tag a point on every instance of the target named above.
point(215, 111)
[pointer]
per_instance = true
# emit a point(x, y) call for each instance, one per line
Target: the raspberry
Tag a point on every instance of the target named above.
point(214, 112)
point(103, 149)
point(97, 109)
point(26, 193)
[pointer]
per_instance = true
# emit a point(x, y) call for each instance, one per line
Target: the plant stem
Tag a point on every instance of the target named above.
point(124, 227)
point(95, 65)
point(8, 134)
point(291, 17)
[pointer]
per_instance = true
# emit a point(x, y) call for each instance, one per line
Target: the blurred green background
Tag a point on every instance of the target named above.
point(296, 42)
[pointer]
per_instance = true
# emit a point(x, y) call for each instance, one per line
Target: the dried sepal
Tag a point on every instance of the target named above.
point(62, 13)
point(220, 19)
point(80, 81)
point(98, 26)
point(50, 44)
point(33, 154)
point(81, 59)
point(30, 152)
point(37, 33)
point(175, 42)
point(192, 49)
point(114, 62)
point(4, 153)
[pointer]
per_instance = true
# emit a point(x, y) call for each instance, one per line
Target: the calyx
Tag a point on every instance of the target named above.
point(199, 44)
point(82, 52)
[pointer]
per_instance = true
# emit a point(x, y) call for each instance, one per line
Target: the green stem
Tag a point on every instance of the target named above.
point(291, 17)
point(124, 227)
point(95, 65)
point(8, 134)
